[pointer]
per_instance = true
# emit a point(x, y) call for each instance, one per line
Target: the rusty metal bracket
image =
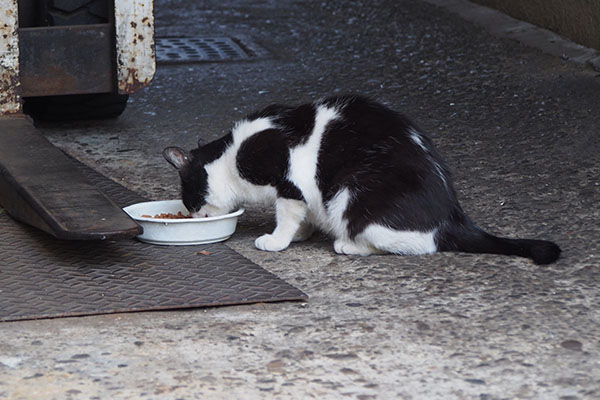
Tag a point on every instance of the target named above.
point(61, 60)
point(44, 61)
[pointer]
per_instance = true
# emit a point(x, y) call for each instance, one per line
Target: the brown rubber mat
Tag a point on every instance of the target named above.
point(44, 277)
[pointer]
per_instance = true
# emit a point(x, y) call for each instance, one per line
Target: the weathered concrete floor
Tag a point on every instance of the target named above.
point(520, 130)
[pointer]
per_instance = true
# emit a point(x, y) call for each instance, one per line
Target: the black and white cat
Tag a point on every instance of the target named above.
point(348, 166)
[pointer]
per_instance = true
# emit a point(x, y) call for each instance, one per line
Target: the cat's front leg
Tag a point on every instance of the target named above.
point(304, 232)
point(289, 215)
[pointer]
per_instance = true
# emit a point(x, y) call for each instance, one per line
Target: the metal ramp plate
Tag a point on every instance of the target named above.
point(40, 186)
point(44, 277)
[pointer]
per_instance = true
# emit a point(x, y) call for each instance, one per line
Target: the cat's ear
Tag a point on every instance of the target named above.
point(177, 157)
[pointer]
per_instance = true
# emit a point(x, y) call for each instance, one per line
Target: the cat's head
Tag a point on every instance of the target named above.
point(194, 181)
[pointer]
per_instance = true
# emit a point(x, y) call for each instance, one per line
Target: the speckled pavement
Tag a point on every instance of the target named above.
point(518, 127)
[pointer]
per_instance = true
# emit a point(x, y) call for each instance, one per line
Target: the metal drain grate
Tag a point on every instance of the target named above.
point(198, 49)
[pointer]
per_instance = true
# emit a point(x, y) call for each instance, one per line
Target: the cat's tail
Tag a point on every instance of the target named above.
point(469, 238)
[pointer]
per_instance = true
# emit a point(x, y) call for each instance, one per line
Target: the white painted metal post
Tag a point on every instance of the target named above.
point(134, 23)
point(10, 102)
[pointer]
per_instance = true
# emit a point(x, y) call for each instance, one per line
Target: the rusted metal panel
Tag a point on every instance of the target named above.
point(61, 60)
point(10, 102)
point(134, 25)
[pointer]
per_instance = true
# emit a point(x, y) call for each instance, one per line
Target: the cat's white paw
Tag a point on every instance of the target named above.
point(270, 243)
point(351, 248)
point(209, 210)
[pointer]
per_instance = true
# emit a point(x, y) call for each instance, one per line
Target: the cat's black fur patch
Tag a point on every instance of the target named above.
point(211, 151)
point(253, 166)
point(194, 182)
point(295, 123)
point(299, 123)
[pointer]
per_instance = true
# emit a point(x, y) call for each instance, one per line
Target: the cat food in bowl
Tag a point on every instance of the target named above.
point(168, 222)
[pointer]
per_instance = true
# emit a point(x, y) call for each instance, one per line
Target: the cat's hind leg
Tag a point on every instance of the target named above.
point(377, 239)
point(350, 247)
point(398, 241)
point(289, 215)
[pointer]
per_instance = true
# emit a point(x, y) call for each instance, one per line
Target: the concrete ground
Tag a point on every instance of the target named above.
point(519, 129)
